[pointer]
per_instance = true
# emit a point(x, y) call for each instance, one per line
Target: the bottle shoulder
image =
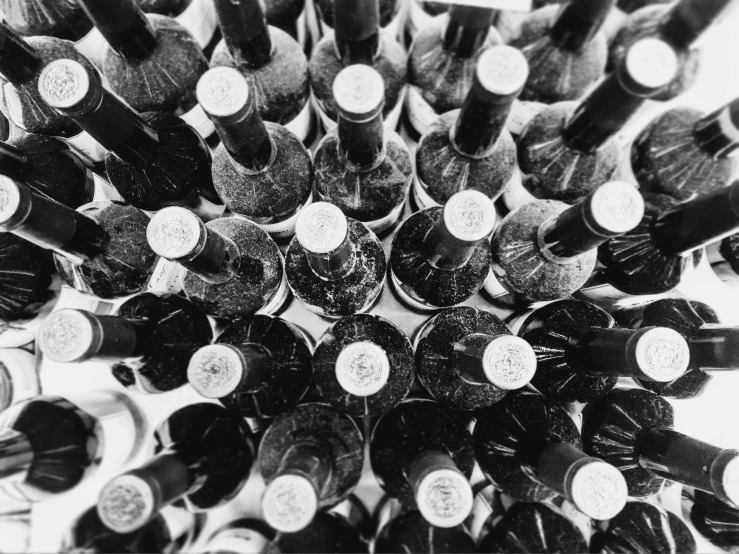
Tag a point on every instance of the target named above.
point(65, 20)
point(24, 287)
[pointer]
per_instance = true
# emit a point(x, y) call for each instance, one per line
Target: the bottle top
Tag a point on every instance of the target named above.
point(650, 64)
point(615, 208)
point(469, 216)
point(502, 71)
point(126, 503)
point(289, 503)
point(175, 233)
point(216, 370)
point(10, 203)
point(662, 354)
point(509, 362)
point(444, 498)
point(67, 335)
point(321, 228)
point(362, 368)
point(359, 92)
point(222, 91)
point(729, 486)
point(63, 84)
point(598, 489)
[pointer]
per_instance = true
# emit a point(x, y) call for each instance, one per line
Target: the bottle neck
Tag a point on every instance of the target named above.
point(333, 265)
point(13, 162)
point(216, 259)
point(245, 137)
point(357, 31)
point(570, 234)
point(715, 348)
point(307, 460)
point(124, 26)
point(578, 22)
point(256, 363)
point(718, 132)
point(427, 462)
point(443, 250)
point(16, 454)
point(18, 60)
point(170, 477)
point(480, 123)
point(689, 19)
point(467, 30)
point(362, 143)
point(469, 358)
point(116, 338)
point(245, 31)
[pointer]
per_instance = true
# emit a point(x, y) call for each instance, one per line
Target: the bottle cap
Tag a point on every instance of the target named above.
point(175, 233)
point(67, 335)
point(662, 354)
point(502, 71)
point(598, 489)
point(215, 370)
point(359, 92)
point(10, 200)
point(222, 91)
point(321, 228)
point(727, 488)
point(362, 368)
point(651, 63)
point(469, 216)
point(444, 498)
point(615, 208)
point(126, 503)
point(63, 83)
point(289, 503)
point(509, 362)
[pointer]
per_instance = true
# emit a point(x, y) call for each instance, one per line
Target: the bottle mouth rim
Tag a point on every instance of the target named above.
point(66, 335)
point(599, 490)
point(362, 368)
point(63, 83)
point(215, 370)
point(359, 92)
point(469, 216)
point(502, 70)
point(509, 362)
point(222, 91)
point(126, 503)
point(321, 228)
point(174, 233)
point(662, 354)
point(444, 498)
point(289, 503)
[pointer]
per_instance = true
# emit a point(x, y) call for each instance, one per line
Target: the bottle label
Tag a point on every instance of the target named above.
point(200, 19)
point(390, 122)
point(179, 523)
point(21, 366)
point(167, 277)
point(516, 195)
point(412, 302)
point(93, 46)
point(493, 287)
point(285, 228)
point(379, 225)
point(280, 296)
point(196, 117)
point(87, 146)
point(522, 112)
point(243, 541)
point(302, 124)
point(73, 298)
point(104, 191)
point(419, 112)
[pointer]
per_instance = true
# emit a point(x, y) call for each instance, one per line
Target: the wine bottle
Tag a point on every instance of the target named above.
point(203, 456)
point(533, 527)
point(530, 448)
point(363, 365)
point(546, 250)
point(335, 265)
point(440, 256)
point(470, 148)
point(234, 269)
point(259, 367)
point(633, 430)
point(684, 152)
point(442, 61)
point(410, 532)
point(390, 15)
point(98, 248)
point(644, 527)
point(19, 378)
point(261, 170)
point(565, 48)
point(714, 520)
point(197, 16)
point(241, 536)
point(467, 359)
point(357, 39)
point(49, 444)
point(362, 167)
point(568, 149)
point(289, 15)
point(422, 454)
point(270, 60)
point(327, 532)
point(679, 24)
point(311, 458)
point(149, 341)
point(155, 158)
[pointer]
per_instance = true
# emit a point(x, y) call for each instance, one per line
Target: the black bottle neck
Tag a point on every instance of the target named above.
point(718, 132)
point(715, 347)
point(362, 143)
point(578, 22)
point(18, 60)
point(357, 31)
point(689, 19)
point(245, 136)
point(123, 25)
point(467, 29)
point(13, 162)
point(307, 460)
point(245, 31)
point(335, 264)
point(218, 370)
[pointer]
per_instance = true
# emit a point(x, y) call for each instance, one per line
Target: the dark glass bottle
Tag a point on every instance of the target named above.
point(311, 458)
point(335, 265)
point(420, 15)
point(364, 365)
point(715, 520)
point(581, 354)
point(203, 457)
point(632, 429)
point(410, 532)
point(149, 341)
point(261, 170)
point(422, 454)
point(546, 250)
point(389, 11)
point(565, 48)
point(357, 39)
point(440, 256)
point(258, 367)
point(679, 24)
point(470, 148)
point(241, 536)
point(155, 159)
point(533, 527)
point(327, 532)
point(99, 249)
point(530, 447)
point(442, 60)
point(684, 152)
point(361, 166)
point(50, 444)
point(270, 60)
point(467, 359)
point(197, 16)
point(234, 269)
point(570, 148)
point(285, 15)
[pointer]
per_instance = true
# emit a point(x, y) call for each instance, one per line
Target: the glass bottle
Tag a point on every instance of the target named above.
point(19, 378)
point(241, 536)
point(715, 520)
point(327, 532)
point(197, 16)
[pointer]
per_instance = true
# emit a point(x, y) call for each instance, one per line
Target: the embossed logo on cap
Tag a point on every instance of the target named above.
point(174, 232)
point(662, 354)
point(469, 215)
point(222, 91)
point(502, 70)
point(215, 370)
point(65, 335)
point(63, 83)
point(359, 89)
point(362, 368)
point(289, 503)
point(125, 503)
point(509, 362)
point(10, 198)
point(321, 228)
point(444, 498)
point(617, 207)
point(599, 490)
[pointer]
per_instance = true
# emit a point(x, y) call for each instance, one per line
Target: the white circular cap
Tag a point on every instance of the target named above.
point(289, 503)
point(730, 481)
point(63, 83)
point(65, 335)
point(444, 498)
point(599, 490)
point(469, 216)
point(215, 370)
point(126, 503)
point(502, 70)
point(509, 362)
point(617, 207)
point(651, 63)
point(362, 368)
point(662, 354)
point(174, 232)
point(222, 91)
point(321, 227)
point(359, 89)
point(10, 198)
